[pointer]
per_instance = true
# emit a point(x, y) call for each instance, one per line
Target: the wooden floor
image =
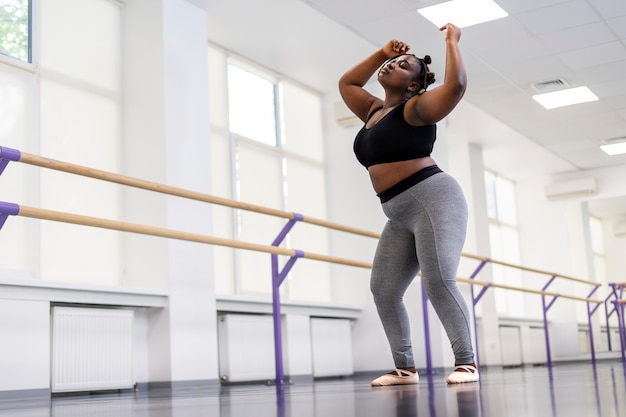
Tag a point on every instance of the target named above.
point(571, 390)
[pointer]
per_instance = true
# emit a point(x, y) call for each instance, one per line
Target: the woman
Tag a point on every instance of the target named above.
point(425, 207)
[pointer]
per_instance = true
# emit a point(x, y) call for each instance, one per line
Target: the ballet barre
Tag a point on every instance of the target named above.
point(7, 154)
point(278, 275)
point(545, 294)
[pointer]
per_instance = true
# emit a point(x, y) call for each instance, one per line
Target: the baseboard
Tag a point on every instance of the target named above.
point(26, 394)
point(177, 385)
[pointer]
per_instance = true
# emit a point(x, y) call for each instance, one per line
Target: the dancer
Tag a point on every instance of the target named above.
point(425, 207)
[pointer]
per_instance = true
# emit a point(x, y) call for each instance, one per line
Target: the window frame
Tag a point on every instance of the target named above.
point(275, 80)
point(499, 224)
point(18, 62)
point(284, 156)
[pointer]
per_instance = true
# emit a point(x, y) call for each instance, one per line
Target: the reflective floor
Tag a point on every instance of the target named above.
point(576, 389)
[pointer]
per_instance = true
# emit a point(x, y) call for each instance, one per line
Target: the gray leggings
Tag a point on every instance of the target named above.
point(426, 230)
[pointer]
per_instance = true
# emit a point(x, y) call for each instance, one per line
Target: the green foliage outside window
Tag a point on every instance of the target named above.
point(14, 29)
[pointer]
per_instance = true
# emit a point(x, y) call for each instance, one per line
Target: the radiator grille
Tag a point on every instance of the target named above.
point(91, 349)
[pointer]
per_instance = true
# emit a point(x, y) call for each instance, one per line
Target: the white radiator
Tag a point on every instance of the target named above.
point(91, 349)
point(511, 345)
point(246, 347)
point(331, 347)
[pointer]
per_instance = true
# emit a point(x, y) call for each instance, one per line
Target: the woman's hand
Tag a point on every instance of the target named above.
point(395, 47)
point(453, 33)
point(435, 104)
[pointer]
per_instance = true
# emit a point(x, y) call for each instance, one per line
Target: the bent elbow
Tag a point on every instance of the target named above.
point(459, 87)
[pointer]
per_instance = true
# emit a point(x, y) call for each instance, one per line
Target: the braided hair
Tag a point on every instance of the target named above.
point(425, 77)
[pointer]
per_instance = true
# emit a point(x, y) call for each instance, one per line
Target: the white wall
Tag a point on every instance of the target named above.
point(167, 140)
point(24, 351)
point(615, 249)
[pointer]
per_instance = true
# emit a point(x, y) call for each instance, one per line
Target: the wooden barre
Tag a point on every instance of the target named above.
point(528, 269)
point(179, 192)
point(193, 195)
point(508, 287)
point(58, 216)
point(42, 214)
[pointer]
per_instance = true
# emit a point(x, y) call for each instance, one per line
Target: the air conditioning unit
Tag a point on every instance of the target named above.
point(344, 116)
point(570, 189)
point(619, 229)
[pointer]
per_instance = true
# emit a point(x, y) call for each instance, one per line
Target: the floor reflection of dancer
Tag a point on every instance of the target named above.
point(425, 207)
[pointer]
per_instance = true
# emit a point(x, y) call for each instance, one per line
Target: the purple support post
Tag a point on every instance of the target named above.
point(429, 357)
point(6, 155)
point(607, 315)
point(6, 210)
point(590, 313)
point(480, 267)
point(277, 279)
point(622, 331)
point(475, 300)
point(620, 324)
point(618, 293)
point(545, 320)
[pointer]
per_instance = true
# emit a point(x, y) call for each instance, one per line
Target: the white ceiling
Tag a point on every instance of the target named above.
point(582, 42)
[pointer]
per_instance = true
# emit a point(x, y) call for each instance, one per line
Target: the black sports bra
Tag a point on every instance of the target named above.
point(392, 139)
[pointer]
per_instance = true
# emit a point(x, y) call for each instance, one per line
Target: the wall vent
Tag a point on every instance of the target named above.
point(550, 85)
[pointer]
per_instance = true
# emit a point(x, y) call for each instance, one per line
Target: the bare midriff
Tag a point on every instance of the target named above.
point(383, 176)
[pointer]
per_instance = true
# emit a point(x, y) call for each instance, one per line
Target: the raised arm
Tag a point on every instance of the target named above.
point(435, 104)
point(359, 100)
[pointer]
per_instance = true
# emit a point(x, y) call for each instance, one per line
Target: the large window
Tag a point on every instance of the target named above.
point(266, 142)
point(504, 238)
point(80, 121)
point(15, 29)
point(252, 104)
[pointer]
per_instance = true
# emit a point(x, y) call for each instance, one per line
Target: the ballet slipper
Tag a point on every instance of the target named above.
point(462, 374)
point(397, 377)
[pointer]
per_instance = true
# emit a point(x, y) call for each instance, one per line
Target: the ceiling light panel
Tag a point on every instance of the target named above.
point(614, 149)
point(614, 146)
point(567, 97)
point(463, 13)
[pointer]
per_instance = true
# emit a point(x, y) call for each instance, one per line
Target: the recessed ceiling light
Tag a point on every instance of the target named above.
point(615, 146)
point(463, 13)
point(565, 97)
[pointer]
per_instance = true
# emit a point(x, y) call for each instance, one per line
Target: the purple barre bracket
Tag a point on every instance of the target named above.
point(6, 155)
point(6, 210)
point(590, 312)
point(278, 276)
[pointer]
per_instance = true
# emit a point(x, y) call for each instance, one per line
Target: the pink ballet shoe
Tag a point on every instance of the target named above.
point(397, 377)
point(462, 374)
